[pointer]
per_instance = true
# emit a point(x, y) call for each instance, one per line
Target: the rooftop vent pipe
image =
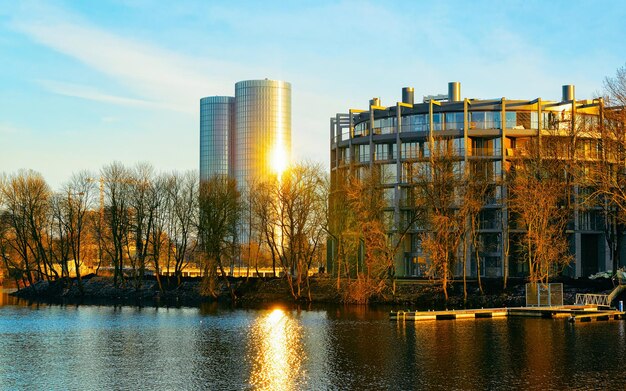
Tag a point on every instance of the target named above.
point(408, 95)
point(568, 93)
point(375, 102)
point(454, 91)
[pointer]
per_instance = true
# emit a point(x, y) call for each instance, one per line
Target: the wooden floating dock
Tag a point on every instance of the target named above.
point(572, 313)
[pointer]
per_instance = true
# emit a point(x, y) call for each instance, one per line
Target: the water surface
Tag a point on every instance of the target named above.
point(105, 347)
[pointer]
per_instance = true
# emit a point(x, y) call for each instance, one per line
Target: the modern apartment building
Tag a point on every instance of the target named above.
point(396, 137)
point(247, 136)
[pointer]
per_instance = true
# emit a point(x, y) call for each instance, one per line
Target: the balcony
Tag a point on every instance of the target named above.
point(485, 152)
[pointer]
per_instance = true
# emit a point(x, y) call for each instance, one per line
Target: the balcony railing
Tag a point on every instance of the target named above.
point(485, 151)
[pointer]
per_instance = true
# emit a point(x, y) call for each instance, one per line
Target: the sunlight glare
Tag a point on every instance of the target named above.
point(279, 159)
point(278, 352)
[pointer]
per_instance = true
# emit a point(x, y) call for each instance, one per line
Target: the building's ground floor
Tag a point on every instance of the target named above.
point(590, 251)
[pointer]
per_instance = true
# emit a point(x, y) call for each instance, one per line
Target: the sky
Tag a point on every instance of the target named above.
point(86, 83)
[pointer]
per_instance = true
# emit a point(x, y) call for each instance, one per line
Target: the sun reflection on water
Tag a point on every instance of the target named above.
point(276, 352)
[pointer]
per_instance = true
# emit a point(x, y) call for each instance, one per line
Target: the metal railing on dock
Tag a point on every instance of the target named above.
point(592, 299)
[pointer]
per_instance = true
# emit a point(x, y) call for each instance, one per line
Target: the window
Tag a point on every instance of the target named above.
point(454, 121)
point(388, 174)
point(458, 146)
point(410, 150)
point(437, 121)
point(492, 120)
point(385, 125)
point(388, 219)
point(385, 151)
point(361, 129)
point(415, 123)
point(477, 120)
point(389, 196)
point(490, 219)
point(363, 153)
point(344, 155)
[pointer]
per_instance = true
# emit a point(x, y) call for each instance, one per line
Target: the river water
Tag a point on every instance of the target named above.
point(82, 347)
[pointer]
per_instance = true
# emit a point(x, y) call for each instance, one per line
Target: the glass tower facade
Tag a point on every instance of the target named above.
point(216, 123)
point(261, 143)
point(247, 136)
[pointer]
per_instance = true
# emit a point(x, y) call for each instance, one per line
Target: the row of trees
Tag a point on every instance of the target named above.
point(126, 221)
point(123, 220)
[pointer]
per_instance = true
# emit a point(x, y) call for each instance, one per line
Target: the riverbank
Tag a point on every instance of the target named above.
point(415, 294)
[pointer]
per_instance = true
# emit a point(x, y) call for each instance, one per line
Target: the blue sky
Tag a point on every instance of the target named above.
point(84, 83)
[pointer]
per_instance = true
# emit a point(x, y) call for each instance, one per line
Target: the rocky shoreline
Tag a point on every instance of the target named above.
point(418, 294)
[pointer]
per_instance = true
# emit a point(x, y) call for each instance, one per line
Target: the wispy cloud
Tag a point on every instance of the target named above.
point(10, 129)
point(108, 119)
point(90, 93)
point(163, 79)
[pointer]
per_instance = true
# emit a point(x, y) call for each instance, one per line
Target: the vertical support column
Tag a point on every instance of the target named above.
point(539, 120)
point(577, 235)
point(578, 255)
point(467, 239)
point(431, 125)
point(465, 130)
point(397, 219)
point(337, 133)
point(505, 193)
point(350, 147)
point(371, 136)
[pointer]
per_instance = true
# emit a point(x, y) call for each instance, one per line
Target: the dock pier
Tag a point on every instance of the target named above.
point(572, 313)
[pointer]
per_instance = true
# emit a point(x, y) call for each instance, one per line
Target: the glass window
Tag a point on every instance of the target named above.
point(389, 196)
point(425, 149)
point(492, 120)
point(477, 120)
point(438, 121)
point(388, 219)
point(385, 151)
point(458, 146)
point(408, 172)
point(363, 153)
point(410, 150)
point(361, 129)
point(511, 119)
point(454, 121)
point(388, 173)
point(421, 123)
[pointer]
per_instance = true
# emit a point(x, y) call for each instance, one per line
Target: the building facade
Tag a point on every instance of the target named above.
point(217, 118)
point(248, 136)
point(262, 137)
point(396, 138)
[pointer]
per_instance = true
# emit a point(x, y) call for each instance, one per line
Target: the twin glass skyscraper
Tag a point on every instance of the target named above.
point(248, 136)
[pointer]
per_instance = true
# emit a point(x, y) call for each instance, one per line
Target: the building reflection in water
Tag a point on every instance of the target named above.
point(276, 352)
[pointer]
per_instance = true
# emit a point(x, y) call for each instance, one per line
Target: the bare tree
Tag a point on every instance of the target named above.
point(182, 218)
point(366, 202)
point(294, 218)
point(339, 222)
point(609, 178)
point(220, 210)
point(539, 200)
point(27, 201)
point(74, 203)
point(439, 190)
point(145, 200)
point(117, 224)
